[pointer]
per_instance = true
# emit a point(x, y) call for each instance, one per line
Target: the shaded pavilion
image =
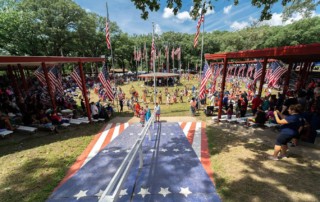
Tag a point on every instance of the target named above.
point(303, 54)
point(21, 63)
point(157, 75)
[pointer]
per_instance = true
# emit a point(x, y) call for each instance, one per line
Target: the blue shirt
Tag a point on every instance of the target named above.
point(294, 123)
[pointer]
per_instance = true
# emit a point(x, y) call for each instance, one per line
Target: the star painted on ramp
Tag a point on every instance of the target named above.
point(187, 149)
point(131, 134)
point(163, 133)
point(128, 150)
point(99, 194)
point(144, 192)
point(176, 150)
point(116, 151)
point(105, 151)
point(123, 192)
point(163, 150)
point(185, 191)
point(171, 134)
point(81, 194)
point(152, 150)
point(164, 191)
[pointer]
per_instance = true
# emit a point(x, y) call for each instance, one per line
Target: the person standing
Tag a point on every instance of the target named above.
point(157, 111)
point(142, 114)
point(290, 126)
point(148, 113)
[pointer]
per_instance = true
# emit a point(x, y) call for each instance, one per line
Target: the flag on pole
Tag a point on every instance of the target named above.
point(56, 80)
point(103, 77)
point(108, 34)
point(258, 72)
point(277, 72)
point(172, 54)
point(75, 75)
point(178, 53)
point(166, 51)
point(207, 72)
point(107, 30)
point(40, 76)
point(195, 41)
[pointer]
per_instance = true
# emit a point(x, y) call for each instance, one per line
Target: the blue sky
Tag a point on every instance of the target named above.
point(225, 16)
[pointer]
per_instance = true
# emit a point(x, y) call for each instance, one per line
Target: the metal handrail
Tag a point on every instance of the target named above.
point(111, 193)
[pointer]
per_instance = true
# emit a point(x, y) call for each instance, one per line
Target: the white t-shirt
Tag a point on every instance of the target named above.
point(157, 109)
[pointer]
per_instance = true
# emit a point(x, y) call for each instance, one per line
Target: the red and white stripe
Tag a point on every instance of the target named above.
point(276, 75)
point(194, 132)
point(108, 35)
point(195, 41)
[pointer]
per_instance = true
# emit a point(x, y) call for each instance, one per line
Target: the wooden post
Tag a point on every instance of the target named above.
point(286, 84)
point(264, 67)
point(25, 84)
point(225, 62)
point(14, 81)
point(84, 91)
point(52, 97)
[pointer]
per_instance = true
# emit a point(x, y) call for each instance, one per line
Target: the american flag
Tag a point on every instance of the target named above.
point(195, 41)
point(40, 76)
point(257, 73)
point(241, 70)
point(153, 52)
point(207, 72)
point(76, 76)
point(172, 54)
point(134, 54)
point(250, 71)
point(108, 34)
point(56, 79)
point(103, 76)
point(277, 72)
point(178, 53)
point(216, 75)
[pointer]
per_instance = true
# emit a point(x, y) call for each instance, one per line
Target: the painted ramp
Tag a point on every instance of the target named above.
point(172, 170)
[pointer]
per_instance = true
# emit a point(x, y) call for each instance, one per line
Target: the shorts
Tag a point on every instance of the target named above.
point(283, 139)
point(157, 115)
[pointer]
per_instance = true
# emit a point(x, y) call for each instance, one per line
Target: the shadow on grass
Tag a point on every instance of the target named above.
point(33, 181)
point(254, 177)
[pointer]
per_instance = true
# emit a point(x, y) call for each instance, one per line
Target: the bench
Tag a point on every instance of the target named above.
point(65, 124)
point(4, 133)
point(75, 121)
point(27, 129)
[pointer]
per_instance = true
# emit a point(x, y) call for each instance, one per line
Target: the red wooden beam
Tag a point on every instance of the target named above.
point(25, 84)
point(310, 51)
point(84, 91)
point(47, 59)
point(222, 86)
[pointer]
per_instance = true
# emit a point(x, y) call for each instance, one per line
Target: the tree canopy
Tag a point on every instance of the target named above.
point(63, 28)
point(305, 7)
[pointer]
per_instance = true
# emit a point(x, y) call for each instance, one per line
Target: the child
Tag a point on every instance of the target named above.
point(142, 114)
point(230, 111)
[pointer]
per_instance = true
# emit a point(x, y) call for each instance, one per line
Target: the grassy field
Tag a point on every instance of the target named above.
point(32, 165)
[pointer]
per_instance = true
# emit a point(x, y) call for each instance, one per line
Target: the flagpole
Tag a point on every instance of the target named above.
point(180, 61)
point(201, 45)
point(168, 68)
point(113, 74)
point(154, 66)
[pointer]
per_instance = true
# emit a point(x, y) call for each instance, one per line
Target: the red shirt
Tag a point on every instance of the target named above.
point(256, 102)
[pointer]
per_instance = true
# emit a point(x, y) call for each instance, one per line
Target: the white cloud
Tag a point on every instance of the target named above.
point(179, 18)
point(157, 29)
point(239, 25)
point(183, 16)
point(209, 12)
point(226, 10)
point(276, 20)
point(88, 10)
point(167, 13)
